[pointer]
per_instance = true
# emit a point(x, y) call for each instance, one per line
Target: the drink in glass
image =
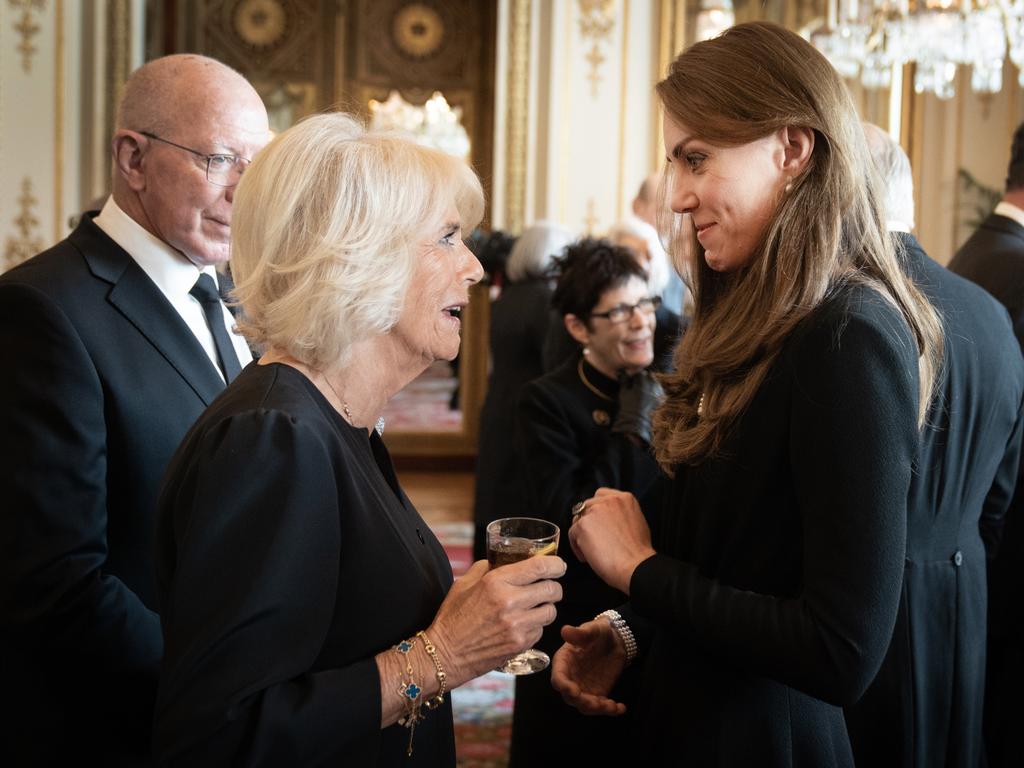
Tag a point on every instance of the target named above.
point(510, 540)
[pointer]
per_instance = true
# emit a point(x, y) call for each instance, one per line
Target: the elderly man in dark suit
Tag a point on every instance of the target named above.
point(116, 340)
point(925, 706)
point(993, 257)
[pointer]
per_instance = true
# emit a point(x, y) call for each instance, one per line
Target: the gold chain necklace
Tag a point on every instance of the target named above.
point(344, 406)
point(587, 384)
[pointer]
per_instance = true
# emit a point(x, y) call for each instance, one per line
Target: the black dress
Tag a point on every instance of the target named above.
point(773, 595)
point(287, 557)
point(519, 325)
point(566, 451)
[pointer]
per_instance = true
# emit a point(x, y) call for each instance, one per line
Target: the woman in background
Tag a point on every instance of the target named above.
point(583, 426)
point(308, 613)
point(767, 597)
point(519, 325)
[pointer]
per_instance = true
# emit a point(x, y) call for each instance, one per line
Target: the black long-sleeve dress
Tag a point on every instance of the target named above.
point(774, 592)
point(287, 557)
point(565, 451)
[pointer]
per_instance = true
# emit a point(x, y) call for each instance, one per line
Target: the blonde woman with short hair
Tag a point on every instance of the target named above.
point(308, 612)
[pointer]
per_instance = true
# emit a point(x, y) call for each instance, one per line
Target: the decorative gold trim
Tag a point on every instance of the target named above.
point(29, 243)
point(620, 200)
point(597, 20)
point(119, 19)
point(670, 42)
point(58, 124)
point(520, 13)
point(27, 28)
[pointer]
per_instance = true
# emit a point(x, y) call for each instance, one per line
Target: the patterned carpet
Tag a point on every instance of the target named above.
point(482, 707)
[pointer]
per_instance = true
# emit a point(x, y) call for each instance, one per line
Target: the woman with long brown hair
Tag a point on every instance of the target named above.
point(789, 428)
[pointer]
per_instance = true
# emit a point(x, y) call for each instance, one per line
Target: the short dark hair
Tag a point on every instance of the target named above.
point(588, 268)
point(1015, 171)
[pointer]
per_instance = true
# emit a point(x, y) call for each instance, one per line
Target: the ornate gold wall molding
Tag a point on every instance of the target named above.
point(58, 123)
point(520, 13)
point(118, 64)
point(597, 20)
point(671, 27)
point(28, 243)
point(27, 28)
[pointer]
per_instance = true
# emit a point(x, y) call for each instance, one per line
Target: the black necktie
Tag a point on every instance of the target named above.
point(205, 291)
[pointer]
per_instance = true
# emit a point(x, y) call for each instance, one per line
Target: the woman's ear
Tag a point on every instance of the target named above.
point(577, 329)
point(798, 144)
point(128, 159)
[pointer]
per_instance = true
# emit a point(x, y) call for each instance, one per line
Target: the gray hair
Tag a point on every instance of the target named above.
point(893, 168)
point(658, 271)
point(534, 250)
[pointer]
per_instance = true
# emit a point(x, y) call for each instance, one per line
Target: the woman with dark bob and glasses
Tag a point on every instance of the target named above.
point(580, 427)
point(308, 613)
point(766, 598)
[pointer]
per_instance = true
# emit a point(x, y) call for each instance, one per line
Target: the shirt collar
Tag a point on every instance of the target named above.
point(1010, 211)
point(173, 274)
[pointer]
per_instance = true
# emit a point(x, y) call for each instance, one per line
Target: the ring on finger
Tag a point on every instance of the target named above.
point(578, 508)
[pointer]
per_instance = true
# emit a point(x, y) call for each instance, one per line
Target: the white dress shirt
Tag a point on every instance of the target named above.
point(1010, 211)
point(173, 274)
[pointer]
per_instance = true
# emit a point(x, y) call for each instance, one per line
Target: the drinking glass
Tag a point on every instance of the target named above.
point(510, 540)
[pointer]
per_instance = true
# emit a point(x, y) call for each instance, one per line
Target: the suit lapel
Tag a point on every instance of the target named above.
point(136, 297)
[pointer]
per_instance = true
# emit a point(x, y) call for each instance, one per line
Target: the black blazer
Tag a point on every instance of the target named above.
point(565, 450)
point(776, 584)
point(993, 257)
point(103, 380)
point(925, 707)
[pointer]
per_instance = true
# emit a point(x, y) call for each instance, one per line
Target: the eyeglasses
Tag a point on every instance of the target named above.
point(623, 312)
point(222, 170)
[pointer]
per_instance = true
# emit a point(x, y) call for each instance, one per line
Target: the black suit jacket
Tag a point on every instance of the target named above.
point(103, 379)
point(925, 707)
point(993, 257)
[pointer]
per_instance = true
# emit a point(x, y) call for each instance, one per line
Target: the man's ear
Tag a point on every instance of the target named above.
point(577, 329)
point(128, 156)
point(798, 144)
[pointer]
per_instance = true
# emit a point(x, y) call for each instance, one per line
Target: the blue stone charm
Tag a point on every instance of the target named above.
point(404, 647)
point(412, 691)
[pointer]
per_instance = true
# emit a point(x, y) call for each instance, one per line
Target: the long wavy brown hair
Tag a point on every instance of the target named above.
point(828, 230)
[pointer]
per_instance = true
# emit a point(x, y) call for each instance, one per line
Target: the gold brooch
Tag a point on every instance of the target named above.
point(601, 418)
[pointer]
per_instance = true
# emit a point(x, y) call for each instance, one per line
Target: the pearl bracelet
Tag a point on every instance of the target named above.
point(624, 632)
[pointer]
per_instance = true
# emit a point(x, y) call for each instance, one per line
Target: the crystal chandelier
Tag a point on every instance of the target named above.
point(435, 124)
point(713, 18)
point(867, 38)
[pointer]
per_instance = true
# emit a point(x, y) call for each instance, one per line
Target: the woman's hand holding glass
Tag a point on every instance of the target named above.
point(611, 535)
point(491, 615)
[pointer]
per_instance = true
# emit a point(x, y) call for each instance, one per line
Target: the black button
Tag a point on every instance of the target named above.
point(958, 558)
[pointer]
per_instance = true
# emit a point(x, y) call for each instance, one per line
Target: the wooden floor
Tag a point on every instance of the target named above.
point(440, 497)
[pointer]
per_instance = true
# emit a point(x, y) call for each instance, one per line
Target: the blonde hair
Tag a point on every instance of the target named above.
point(658, 269)
point(326, 226)
point(829, 229)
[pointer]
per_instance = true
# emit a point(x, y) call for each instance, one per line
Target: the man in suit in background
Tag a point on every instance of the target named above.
point(115, 341)
point(993, 257)
point(925, 706)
